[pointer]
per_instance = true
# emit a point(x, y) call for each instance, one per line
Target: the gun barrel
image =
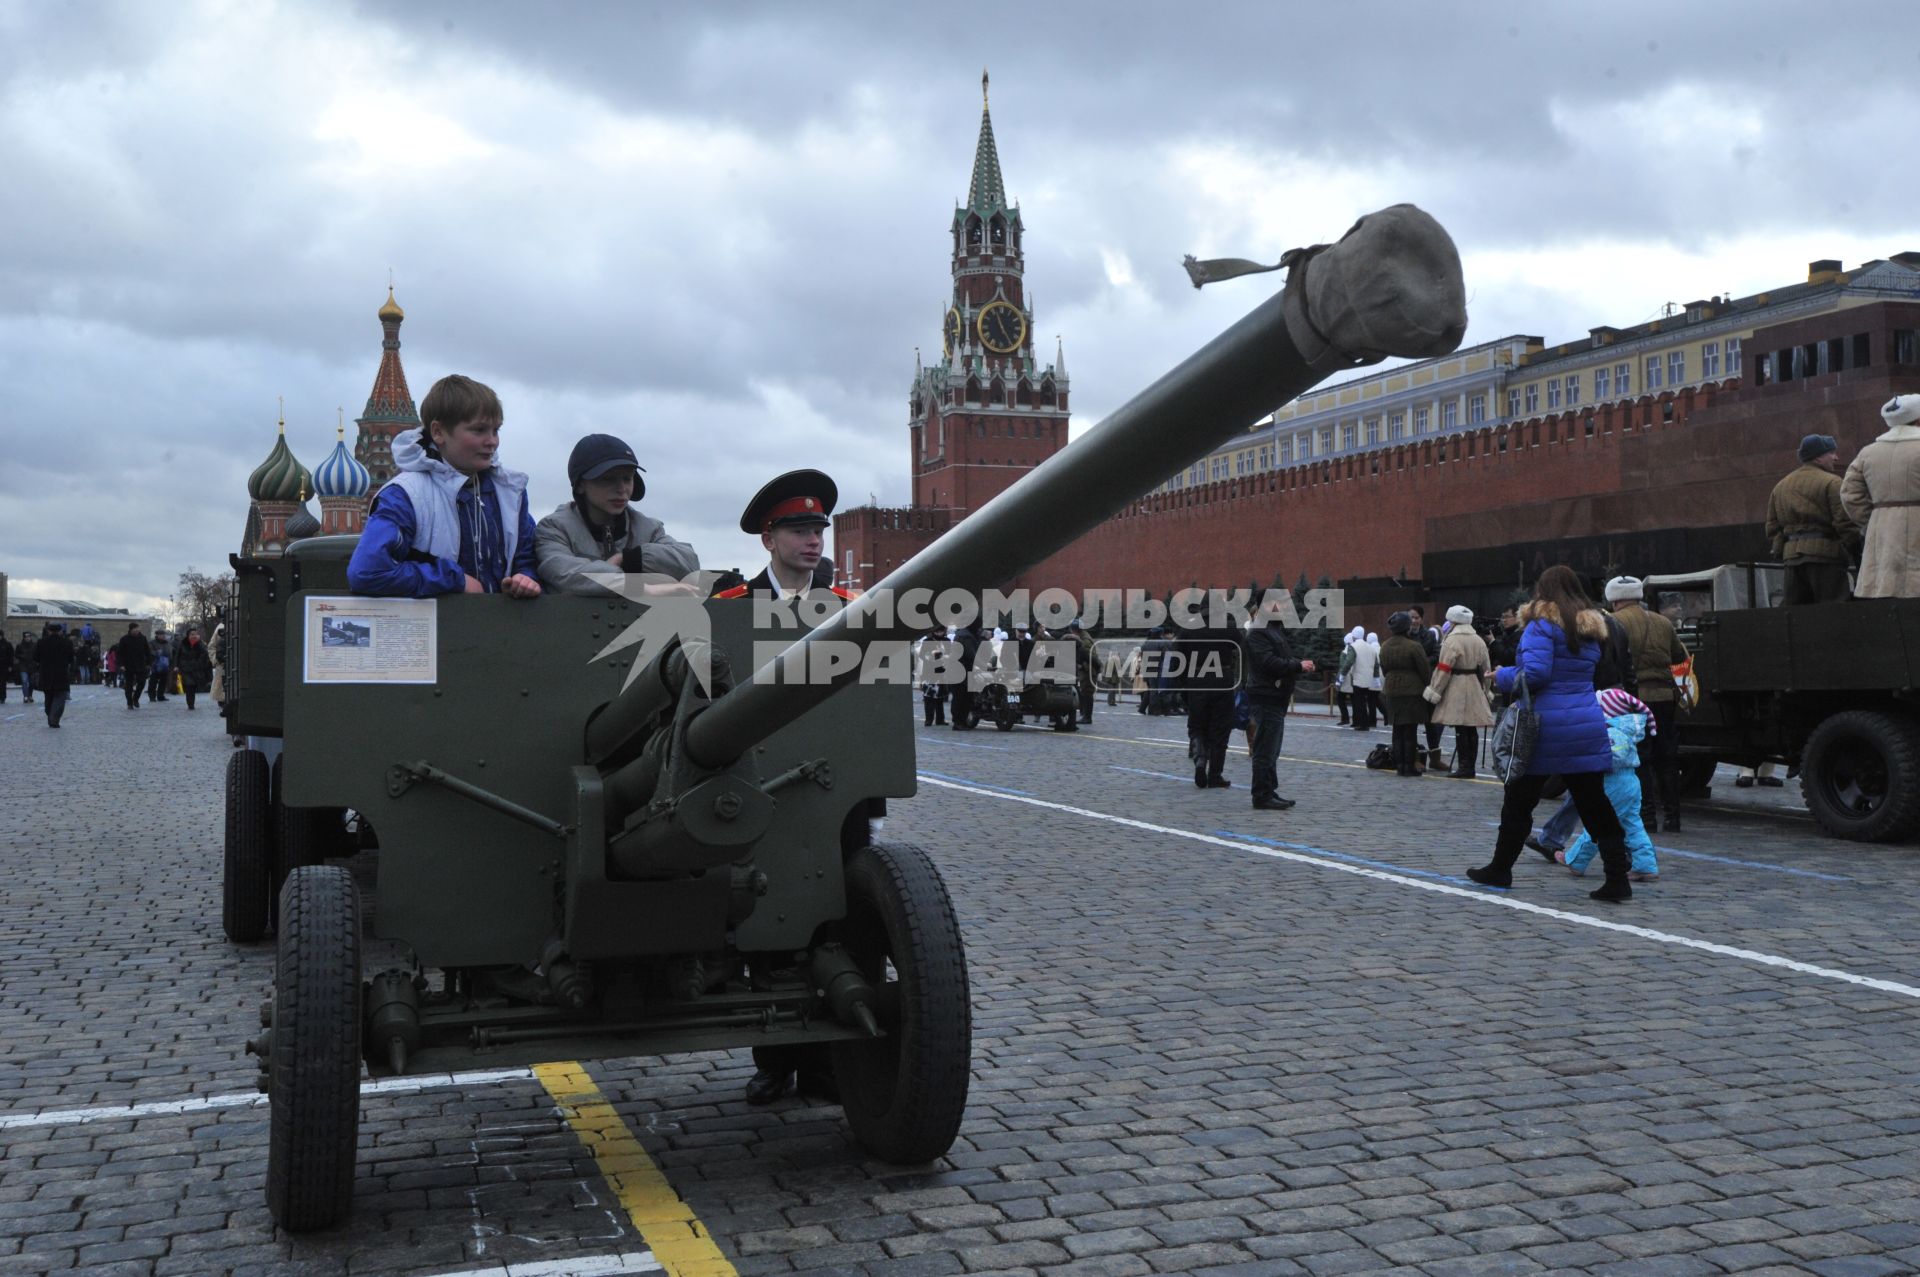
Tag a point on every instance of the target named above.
point(1391, 286)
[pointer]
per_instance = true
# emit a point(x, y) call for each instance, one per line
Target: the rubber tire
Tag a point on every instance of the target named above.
point(1897, 740)
point(314, 1064)
point(248, 861)
point(904, 1094)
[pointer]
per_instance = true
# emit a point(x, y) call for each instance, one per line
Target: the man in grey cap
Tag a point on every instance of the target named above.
point(600, 531)
point(1809, 527)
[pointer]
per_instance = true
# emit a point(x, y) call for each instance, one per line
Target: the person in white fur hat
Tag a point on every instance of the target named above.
point(1458, 691)
point(1881, 493)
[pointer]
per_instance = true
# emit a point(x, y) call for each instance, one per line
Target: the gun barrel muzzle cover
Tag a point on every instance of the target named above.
point(1392, 285)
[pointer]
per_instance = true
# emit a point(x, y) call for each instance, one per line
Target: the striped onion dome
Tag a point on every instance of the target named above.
point(340, 475)
point(280, 477)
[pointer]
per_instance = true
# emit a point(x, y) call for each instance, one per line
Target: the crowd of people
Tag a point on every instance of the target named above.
point(53, 662)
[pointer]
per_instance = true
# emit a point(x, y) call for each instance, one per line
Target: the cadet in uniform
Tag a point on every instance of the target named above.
point(790, 514)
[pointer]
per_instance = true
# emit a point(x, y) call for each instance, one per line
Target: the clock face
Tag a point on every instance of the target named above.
point(952, 331)
point(1002, 327)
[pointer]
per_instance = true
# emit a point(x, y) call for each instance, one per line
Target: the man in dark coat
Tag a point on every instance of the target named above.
point(134, 657)
point(1209, 668)
point(54, 654)
point(1271, 670)
point(6, 667)
point(1429, 639)
point(195, 665)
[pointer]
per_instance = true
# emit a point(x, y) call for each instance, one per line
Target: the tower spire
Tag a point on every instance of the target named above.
point(986, 192)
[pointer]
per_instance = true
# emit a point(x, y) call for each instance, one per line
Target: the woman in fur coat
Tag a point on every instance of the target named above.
point(1560, 640)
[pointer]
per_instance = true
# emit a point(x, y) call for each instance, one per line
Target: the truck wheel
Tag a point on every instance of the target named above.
point(248, 861)
point(904, 1094)
point(1860, 776)
point(314, 1061)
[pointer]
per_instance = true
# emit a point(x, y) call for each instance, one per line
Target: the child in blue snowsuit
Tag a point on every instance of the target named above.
point(1628, 720)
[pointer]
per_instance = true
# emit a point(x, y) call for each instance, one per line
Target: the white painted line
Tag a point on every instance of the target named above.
point(248, 1099)
point(583, 1266)
point(1482, 895)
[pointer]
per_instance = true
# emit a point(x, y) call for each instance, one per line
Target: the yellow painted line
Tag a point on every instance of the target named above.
point(673, 1233)
point(1286, 758)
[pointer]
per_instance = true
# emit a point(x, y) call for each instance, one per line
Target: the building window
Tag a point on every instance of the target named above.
point(1533, 398)
point(1623, 381)
point(1326, 440)
point(1602, 383)
point(1676, 367)
point(1573, 390)
point(1286, 452)
point(1553, 393)
point(1477, 409)
point(1373, 430)
point(1423, 420)
point(1709, 360)
point(1733, 356)
point(1653, 373)
point(1397, 425)
point(1513, 403)
point(1449, 415)
point(1348, 435)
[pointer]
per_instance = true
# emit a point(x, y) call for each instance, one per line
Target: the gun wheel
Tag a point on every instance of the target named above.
point(314, 1060)
point(245, 886)
point(904, 1093)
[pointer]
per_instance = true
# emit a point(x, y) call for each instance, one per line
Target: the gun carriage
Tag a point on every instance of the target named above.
point(584, 859)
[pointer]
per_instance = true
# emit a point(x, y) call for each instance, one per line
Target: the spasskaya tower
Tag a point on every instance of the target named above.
point(986, 411)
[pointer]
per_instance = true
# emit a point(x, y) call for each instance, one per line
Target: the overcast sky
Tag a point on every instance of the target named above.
point(720, 230)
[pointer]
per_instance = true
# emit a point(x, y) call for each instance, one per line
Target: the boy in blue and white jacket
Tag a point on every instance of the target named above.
point(1628, 721)
point(452, 521)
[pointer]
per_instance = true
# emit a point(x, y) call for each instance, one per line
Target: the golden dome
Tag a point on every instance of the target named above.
point(392, 309)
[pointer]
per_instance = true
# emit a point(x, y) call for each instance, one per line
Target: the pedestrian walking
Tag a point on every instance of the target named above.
point(160, 667)
point(1882, 494)
point(1560, 640)
point(6, 667)
point(1458, 690)
point(1343, 682)
point(54, 655)
point(1628, 722)
point(135, 658)
point(195, 665)
point(1405, 673)
point(1655, 651)
point(27, 663)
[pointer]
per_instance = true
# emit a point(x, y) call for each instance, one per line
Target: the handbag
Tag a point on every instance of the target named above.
point(1516, 734)
point(1380, 758)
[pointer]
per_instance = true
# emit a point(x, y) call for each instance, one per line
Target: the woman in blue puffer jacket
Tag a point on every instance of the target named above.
point(1562, 638)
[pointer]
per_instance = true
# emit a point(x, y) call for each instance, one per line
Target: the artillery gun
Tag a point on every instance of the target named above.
point(585, 859)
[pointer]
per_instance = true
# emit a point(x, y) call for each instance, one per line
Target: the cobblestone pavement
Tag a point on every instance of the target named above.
point(1208, 1040)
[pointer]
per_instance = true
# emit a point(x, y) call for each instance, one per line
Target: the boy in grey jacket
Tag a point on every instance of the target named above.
point(600, 531)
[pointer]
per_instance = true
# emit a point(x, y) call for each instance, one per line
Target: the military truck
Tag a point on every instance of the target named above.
point(594, 849)
point(1827, 689)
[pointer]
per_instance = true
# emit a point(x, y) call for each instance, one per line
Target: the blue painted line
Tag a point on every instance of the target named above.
point(977, 784)
point(1729, 860)
point(1140, 771)
point(1355, 860)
